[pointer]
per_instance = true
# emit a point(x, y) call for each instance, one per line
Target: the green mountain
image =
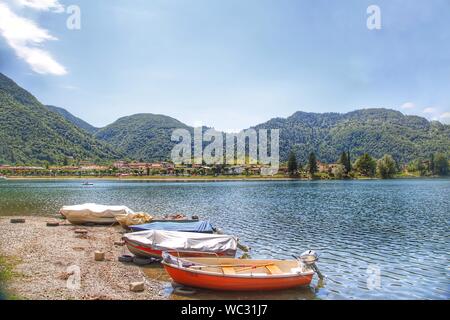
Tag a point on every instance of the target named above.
point(375, 131)
point(31, 134)
point(73, 119)
point(144, 136)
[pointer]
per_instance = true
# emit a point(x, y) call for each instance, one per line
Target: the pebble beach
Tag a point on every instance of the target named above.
point(45, 262)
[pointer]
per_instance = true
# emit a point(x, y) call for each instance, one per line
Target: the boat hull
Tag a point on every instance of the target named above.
point(144, 251)
point(236, 283)
point(91, 220)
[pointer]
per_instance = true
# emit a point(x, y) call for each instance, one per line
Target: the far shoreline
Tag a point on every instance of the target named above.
point(205, 179)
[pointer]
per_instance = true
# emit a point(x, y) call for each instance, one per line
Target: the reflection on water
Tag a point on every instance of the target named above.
point(399, 227)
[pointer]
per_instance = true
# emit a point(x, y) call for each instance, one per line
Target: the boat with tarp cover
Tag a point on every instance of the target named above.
point(152, 243)
point(93, 213)
point(191, 226)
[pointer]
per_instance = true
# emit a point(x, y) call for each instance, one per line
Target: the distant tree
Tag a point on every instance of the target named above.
point(416, 166)
point(440, 164)
point(345, 162)
point(292, 164)
point(339, 171)
point(65, 161)
point(348, 166)
point(365, 165)
point(312, 164)
point(431, 165)
point(386, 167)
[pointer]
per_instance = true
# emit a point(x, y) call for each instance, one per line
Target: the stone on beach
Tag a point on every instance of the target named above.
point(17, 220)
point(99, 255)
point(137, 286)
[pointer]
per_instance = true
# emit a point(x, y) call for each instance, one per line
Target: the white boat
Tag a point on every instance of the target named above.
point(152, 243)
point(93, 213)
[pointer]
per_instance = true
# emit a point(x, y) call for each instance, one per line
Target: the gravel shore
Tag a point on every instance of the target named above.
point(46, 260)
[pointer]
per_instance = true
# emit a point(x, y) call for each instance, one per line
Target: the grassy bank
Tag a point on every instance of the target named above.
point(7, 274)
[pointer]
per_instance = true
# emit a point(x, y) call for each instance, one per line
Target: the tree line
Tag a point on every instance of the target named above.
point(367, 166)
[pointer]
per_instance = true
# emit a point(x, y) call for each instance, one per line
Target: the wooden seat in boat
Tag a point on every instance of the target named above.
point(228, 270)
point(273, 269)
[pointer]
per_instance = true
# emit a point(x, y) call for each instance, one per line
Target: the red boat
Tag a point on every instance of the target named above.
point(231, 274)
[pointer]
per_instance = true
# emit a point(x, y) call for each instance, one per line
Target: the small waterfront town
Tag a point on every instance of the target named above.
point(124, 168)
point(364, 167)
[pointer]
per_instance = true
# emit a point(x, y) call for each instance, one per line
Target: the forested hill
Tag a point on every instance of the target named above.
point(142, 136)
point(75, 120)
point(32, 134)
point(375, 131)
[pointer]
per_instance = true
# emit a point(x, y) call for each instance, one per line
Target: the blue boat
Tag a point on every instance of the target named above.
point(194, 226)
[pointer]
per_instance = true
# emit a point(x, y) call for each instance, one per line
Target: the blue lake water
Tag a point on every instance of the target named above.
point(398, 229)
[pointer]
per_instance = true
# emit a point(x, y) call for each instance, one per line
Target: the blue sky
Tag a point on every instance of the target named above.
point(229, 64)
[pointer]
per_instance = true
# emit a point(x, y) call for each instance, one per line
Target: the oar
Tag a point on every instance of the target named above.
point(256, 267)
point(245, 266)
point(220, 265)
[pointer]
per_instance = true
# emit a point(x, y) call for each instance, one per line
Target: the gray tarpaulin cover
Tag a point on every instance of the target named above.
point(95, 209)
point(91, 212)
point(191, 226)
point(183, 241)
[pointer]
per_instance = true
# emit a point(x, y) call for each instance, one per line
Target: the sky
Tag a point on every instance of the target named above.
point(229, 64)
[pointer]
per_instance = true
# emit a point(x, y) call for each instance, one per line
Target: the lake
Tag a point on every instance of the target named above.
point(377, 239)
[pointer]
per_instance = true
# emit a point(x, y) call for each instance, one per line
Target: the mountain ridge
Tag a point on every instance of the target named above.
point(146, 136)
point(31, 133)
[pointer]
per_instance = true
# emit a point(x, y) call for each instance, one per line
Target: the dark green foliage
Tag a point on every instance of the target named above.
point(432, 166)
point(417, 165)
point(31, 134)
point(312, 163)
point(386, 167)
point(292, 164)
point(365, 165)
point(440, 165)
point(373, 131)
point(142, 136)
point(345, 161)
point(75, 120)
point(348, 165)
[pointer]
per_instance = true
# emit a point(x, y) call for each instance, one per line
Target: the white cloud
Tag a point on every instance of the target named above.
point(445, 117)
point(42, 5)
point(408, 105)
point(429, 110)
point(69, 87)
point(23, 35)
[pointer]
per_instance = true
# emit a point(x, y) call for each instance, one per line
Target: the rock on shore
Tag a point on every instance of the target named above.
point(57, 263)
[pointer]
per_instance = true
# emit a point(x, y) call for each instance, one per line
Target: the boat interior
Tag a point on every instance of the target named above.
point(231, 266)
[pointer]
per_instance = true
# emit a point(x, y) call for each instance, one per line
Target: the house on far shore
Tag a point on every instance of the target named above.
point(20, 169)
point(326, 167)
point(120, 164)
point(235, 170)
point(322, 167)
